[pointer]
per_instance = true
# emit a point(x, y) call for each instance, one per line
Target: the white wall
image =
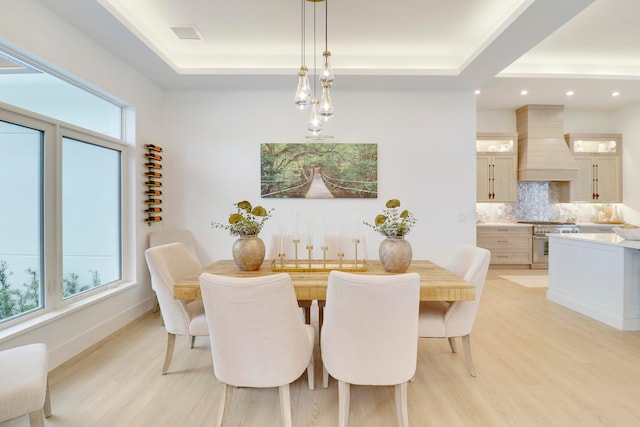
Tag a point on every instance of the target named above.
point(626, 121)
point(34, 31)
point(426, 159)
point(502, 121)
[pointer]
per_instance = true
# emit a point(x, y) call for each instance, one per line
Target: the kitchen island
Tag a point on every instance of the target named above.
point(597, 275)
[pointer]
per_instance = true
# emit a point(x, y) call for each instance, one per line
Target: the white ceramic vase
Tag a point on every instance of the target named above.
point(248, 252)
point(395, 254)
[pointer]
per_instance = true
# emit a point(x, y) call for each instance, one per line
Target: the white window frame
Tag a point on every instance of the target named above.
point(54, 131)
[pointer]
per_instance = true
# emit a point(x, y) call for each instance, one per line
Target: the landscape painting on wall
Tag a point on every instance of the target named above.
point(319, 170)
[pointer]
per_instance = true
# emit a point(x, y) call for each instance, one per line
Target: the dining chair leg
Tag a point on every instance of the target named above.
point(193, 340)
point(285, 405)
point(225, 401)
point(401, 404)
point(452, 344)
point(343, 403)
point(325, 377)
point(47, 401)
point(36, 419)
point(171, 343)
point(321, 304)
point(466, 345)
point(311, 373)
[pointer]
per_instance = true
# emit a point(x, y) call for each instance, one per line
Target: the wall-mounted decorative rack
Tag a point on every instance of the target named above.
point(153, 163)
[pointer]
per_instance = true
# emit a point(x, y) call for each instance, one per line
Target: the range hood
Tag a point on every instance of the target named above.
point(543, 154)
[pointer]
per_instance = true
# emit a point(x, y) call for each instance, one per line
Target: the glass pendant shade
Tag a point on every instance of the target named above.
point(315, 124)
point(326, 106)
point(326, 76)
point(303, 91)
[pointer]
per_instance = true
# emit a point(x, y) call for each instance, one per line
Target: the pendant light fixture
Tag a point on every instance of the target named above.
point(303, 92)
point(321, 110)
point(326, 76)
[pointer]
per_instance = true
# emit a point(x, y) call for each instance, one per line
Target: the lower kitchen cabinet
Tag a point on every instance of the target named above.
point(509, 244)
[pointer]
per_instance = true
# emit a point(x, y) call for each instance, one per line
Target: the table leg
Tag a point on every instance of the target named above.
point(306, 307)
point(320, 312)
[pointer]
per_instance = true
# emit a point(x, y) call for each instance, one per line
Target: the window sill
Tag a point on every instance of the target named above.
point(37, 321)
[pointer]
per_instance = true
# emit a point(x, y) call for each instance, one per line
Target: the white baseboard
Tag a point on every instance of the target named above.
point(78, 342)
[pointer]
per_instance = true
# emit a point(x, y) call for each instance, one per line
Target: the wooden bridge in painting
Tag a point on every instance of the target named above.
point(318, 186)
point(318, 189)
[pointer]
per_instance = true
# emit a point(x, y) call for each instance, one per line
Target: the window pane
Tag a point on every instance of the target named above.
point(91, 226)
point(21, 257)
point(27, 87)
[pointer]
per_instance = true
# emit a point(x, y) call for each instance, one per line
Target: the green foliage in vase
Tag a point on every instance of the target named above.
point(393, 221)
point(246, 221)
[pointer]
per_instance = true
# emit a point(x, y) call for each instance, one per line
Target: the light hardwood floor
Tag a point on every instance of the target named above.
point(538, 364)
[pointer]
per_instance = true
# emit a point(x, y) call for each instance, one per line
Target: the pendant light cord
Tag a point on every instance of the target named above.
point(326, 25)
point(303, 31)
point(315, 71)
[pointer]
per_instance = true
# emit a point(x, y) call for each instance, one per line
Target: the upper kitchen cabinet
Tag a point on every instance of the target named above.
point(599, 167)
point(497, 167)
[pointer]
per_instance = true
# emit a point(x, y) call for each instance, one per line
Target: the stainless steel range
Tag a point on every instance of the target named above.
point(540, 240)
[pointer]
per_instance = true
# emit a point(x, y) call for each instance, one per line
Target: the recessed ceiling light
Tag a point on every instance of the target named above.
point(616, 93)
point(477, 92)
point(187, 32)
point(524, 92)
point(569, 93)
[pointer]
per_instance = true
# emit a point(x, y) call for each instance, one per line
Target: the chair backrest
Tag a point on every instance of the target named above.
point(370, 330)
point(471, 263)
point(166, 264)
point(258, 337)
point(162, 237)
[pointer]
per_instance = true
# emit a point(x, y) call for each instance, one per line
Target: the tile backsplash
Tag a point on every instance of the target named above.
point(534, 205)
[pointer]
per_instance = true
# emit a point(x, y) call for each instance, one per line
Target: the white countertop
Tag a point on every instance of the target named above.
point(502, 224)
point(601, 224)
point(604, 238)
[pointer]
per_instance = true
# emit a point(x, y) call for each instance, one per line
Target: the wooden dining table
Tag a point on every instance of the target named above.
point(436, 283)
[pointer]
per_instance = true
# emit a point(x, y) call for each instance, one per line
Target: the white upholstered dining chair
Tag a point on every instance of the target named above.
point(258, 337)
point(370, 335)
point(456, 319)
point(166, 264)
point(163, 237)
point(24, 387)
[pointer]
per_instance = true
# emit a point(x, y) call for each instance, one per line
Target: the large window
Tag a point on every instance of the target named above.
point(61, 181)
point(60, 217)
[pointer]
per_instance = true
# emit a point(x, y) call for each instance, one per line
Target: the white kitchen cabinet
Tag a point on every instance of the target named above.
point(597, 275)
point(496, 168)
point(599, 167)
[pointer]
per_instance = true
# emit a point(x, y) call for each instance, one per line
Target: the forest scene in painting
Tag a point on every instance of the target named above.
point(319, 170)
